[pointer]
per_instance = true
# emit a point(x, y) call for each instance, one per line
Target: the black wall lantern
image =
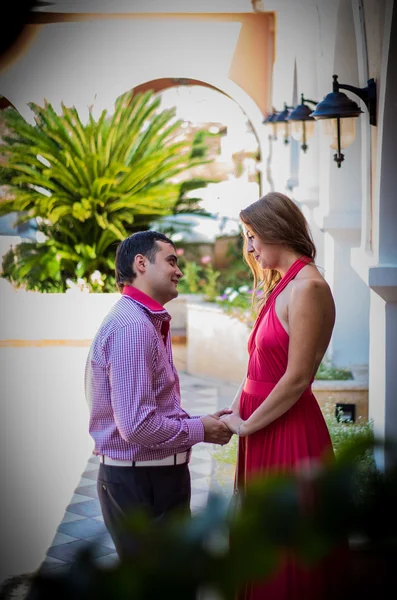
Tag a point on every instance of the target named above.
point(302, 123)
point(338, 113)
point(270, 121)
point(282, 122)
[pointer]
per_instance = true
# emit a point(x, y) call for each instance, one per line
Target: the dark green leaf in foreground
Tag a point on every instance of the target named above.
point(307, 515)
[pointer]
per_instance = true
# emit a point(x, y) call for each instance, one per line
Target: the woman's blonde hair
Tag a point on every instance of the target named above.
point(275, 219)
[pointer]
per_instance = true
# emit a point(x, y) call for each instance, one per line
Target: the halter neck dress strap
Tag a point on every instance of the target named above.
point(289, 275)
point(284, 281)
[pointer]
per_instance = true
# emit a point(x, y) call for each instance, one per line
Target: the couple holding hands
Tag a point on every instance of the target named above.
point(142, 435)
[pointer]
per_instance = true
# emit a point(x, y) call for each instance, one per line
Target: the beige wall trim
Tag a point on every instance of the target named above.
point(43, 343)
point(179, 340)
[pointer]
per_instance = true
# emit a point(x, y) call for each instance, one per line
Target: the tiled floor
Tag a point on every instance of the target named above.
point(82, 522)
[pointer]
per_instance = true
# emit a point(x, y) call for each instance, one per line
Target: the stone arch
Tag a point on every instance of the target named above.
point(229, 89)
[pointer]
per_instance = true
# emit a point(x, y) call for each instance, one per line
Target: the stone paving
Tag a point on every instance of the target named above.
point(82, 523)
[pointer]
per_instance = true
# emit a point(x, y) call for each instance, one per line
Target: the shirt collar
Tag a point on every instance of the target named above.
point(143, 299)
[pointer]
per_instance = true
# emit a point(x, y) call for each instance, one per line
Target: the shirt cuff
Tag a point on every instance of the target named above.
point(196, 430)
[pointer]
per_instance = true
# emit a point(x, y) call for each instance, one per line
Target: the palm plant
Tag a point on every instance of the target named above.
point(89, 185)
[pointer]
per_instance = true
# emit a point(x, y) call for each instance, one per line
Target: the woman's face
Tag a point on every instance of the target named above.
point(266, 255)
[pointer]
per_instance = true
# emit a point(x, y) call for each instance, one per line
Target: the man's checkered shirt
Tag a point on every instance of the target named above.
point(132, 387)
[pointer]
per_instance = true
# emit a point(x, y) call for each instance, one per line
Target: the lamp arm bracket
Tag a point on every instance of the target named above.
point(304, 100)
point(367, 95)
point(360, 92)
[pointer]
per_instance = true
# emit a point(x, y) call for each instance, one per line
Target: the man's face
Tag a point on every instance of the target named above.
point(163, 275)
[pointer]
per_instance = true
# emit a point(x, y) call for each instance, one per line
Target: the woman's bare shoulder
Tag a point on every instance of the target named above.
point(310, 287)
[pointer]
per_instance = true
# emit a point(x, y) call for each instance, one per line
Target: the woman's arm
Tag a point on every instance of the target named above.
point(235, 406)
point(305, 319)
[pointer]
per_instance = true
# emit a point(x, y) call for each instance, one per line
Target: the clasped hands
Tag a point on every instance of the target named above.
point(220, 426)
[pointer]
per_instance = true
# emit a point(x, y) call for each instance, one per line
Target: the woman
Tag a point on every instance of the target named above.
point(279, 421)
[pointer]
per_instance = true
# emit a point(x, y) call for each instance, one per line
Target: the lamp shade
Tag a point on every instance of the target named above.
point(270, 119)
point(283, 116)
point(301, 113)
point(336, 104)
point(302, 123)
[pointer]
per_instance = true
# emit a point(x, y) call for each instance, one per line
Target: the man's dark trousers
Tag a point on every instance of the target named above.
point(160, 491)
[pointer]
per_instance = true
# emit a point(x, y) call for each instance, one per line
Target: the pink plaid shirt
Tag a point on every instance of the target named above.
point(132, 386)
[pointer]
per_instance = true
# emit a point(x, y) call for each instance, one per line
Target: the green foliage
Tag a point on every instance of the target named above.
point(238, 304)
point(187, 203)
point(343, 435)
point(190, 282)
point(204, 279)
point(199, 149)
point(199, 279)
point(6, 176)
point(237, 274)
point(227, 454)
point(90, 185)
point(217, 551)
point(327, 371)
point(209, 286)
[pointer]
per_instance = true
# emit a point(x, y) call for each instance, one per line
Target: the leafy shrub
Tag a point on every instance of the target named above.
point(237, 273)
point(327, 371)
point(238, 304)
point(269, 523)
point(199, 279)
point(190, 283)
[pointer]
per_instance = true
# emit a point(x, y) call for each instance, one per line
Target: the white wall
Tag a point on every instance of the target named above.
point(44, 440)
point(44, 448)
point(380, 267)
point(215, 349)
point(35, 316)
point(350, 339)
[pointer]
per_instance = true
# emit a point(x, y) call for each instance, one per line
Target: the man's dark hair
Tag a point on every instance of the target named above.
point(142, 242)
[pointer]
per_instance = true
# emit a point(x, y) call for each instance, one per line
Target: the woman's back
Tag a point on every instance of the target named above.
point(269, 341)
point(309, 276)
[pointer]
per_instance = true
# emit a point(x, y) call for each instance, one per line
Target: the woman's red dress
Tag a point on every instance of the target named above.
point(298, 436)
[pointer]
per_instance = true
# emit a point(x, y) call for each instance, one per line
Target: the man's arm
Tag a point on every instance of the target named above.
point(133, 365)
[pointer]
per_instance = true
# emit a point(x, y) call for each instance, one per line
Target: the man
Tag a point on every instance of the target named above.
point(142, 435)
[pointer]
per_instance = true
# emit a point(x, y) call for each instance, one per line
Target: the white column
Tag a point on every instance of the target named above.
point(382, 277)
point(350, 339)
point(339, 217)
